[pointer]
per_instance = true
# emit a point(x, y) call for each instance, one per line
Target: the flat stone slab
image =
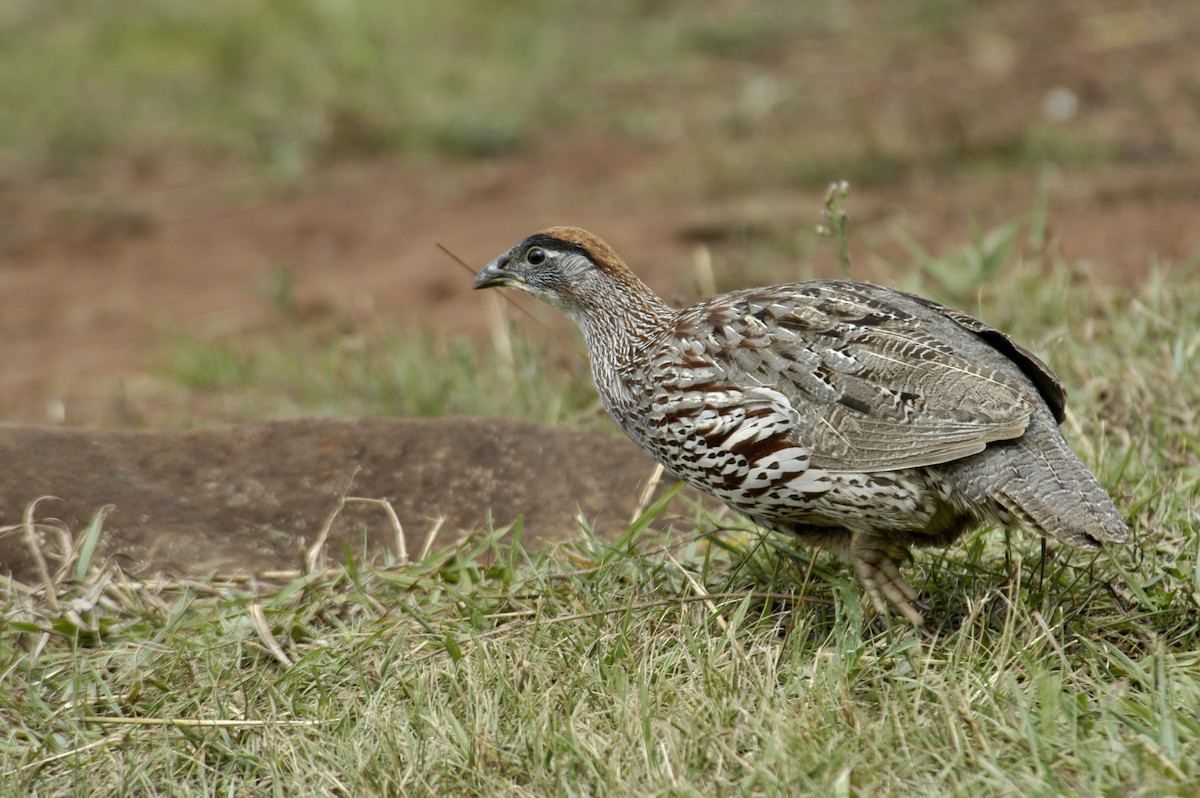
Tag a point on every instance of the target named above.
point(252, 498)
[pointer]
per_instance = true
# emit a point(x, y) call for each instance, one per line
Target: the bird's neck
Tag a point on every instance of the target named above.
point(618, 332)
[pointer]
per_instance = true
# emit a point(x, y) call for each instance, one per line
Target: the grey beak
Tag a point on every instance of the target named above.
point(495, 274)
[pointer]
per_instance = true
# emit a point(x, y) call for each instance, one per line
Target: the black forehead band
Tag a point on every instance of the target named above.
point(553, 242)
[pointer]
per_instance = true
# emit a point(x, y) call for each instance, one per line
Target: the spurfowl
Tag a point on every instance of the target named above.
point(855, 417)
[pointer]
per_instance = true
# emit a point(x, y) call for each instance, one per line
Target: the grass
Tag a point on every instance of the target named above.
point(772, 93)
point(352, 369)
point(284, 84)
point(711, 663)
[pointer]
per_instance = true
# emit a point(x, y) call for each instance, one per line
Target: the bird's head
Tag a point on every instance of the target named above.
point(567, 267)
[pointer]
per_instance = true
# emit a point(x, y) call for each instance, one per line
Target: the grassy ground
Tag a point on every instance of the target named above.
point(675, 666)
point(374, 371)
point(281, 86)
point(711, 664)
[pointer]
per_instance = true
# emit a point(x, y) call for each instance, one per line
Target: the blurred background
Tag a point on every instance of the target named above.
point(232, 209)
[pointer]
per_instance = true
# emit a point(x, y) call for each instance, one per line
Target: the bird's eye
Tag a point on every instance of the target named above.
point(535, 256)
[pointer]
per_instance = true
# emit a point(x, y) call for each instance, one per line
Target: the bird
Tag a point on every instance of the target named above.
point(857, 418)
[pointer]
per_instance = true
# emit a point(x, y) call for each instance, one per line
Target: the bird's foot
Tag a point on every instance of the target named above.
point(877, 563)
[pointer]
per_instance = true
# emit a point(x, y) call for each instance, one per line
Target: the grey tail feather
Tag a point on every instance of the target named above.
point(1054, 493)
point(1082, 523)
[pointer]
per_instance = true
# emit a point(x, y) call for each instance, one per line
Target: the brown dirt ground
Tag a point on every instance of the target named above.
point(86, 297)
point(252, 498)
point(94, 268)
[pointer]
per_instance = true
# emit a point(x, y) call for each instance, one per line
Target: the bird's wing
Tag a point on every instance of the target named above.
point(867, 378)
point(1053, 392)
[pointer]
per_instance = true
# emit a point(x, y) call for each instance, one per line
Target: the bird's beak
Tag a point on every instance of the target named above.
point(495, 274)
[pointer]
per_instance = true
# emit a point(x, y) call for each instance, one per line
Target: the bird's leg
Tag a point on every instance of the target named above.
point(876, 561)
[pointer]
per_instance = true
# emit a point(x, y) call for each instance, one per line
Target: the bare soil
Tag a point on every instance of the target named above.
point(252, 498)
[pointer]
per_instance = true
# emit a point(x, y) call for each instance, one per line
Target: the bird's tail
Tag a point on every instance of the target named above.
point(1052, 492)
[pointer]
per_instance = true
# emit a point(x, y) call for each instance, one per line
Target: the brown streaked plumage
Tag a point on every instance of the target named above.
point(856, 417)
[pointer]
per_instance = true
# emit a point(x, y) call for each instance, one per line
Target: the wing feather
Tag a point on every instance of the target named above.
point(871, 379)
